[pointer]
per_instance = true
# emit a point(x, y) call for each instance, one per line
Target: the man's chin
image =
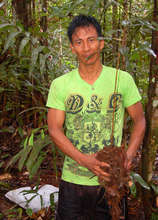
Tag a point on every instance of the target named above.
point(87, 61)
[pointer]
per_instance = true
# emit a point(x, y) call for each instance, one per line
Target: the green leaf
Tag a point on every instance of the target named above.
point(4, 184)
point(5, 25)
point(1, 216)
point(9, 40)
point(150, 51)
point(30, 142)
point(26, 142)
point(42, 62)
point(36, 166)
point(20, 132)
point(29, 212)
point(5, 156)
point(154, 216)
point(52, 199)
point(33, 108)
point(1, 164)
point(23, 44)
point(35, 53)
point(155, 188)
point(24, 156)
point(39, 144)
point(9, 130)
point(41, 199)
point(14, 159)
point(2, 3)
point(137, 178)
point(20, 212)
point(133, 190)
point(42, 134)
point(34, 57)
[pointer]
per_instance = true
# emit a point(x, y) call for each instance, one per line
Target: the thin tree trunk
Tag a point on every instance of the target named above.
point(44, 18)
point(150, 143)
point(23, 12)
point(60, 44)
point(124, 38)
point(43, 22)
point(104, 26)
point(114, 35)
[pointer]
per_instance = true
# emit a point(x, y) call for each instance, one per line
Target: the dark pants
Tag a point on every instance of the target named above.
point(77, 202)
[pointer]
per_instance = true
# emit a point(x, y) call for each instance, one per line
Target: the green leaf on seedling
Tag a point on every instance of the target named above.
point(29, 212)
point(137, 178)
point(1, 216)
point(155, 188)
point(133, 190)
point(52, 201)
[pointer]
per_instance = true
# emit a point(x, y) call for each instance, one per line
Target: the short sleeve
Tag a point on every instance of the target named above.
point(131, 93)
point(55, 97)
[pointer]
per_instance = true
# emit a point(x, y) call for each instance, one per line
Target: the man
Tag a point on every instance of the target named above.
point(83, 100)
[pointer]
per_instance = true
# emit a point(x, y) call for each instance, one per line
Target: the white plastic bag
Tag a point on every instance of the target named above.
point(38, 200)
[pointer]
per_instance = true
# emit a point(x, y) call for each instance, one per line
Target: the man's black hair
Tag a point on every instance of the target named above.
point(81, 21)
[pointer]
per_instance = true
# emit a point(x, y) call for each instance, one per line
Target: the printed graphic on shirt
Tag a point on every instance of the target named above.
point(74, 104)
point(114, 102)
point(89, 125)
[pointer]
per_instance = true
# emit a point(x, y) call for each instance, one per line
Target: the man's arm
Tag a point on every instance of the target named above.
point(55, 119)
point(136, 113)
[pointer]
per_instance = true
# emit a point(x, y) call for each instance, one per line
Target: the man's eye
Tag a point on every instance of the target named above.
point(91, 39)
point(78, 42)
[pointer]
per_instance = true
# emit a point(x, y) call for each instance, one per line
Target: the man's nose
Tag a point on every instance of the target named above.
point(86, 46)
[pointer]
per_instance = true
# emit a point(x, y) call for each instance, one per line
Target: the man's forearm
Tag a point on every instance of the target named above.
point(88, 161)
point(65, 145)
point(136, 138)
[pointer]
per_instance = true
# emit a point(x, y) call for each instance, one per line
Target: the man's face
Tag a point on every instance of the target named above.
point(85, 44)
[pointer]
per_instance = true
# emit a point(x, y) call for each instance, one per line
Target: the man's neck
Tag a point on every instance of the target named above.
point(90, 73)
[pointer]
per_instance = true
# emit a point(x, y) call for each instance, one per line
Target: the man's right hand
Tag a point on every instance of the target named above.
point(95, 166)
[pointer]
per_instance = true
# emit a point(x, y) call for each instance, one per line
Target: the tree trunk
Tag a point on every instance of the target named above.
point(23, 12)
point(124, 38)
point(114, 35)
point(44, 18)
point(104, 26)
point(150, 143)
point(43, 22)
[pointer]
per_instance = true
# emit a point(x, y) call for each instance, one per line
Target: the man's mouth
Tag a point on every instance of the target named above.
point(90, 56)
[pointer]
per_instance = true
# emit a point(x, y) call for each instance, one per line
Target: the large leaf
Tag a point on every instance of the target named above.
point(155, 188)
point(42, 62)
point(14, 159)
point(137, 178)
point(37, 164)
point(31, 139)
point(2, 3)
point(9, 40)
point(34, 57)
point(23, 43)
point(133, 189)
point(24, 156)
point(5, 25)
point(150, 51)
point(39, 144)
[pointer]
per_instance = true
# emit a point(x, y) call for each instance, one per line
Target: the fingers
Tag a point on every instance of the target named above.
point(100, 172)
point(128, 165)
point(104, 164)
point(99, 168)
point(103, 176)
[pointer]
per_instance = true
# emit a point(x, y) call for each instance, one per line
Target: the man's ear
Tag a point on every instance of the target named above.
point(101, 44)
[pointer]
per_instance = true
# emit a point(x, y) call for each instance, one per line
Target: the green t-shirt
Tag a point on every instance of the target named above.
point(89, 109)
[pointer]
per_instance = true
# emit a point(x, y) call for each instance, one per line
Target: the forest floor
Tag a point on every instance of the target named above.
point(13, 179)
